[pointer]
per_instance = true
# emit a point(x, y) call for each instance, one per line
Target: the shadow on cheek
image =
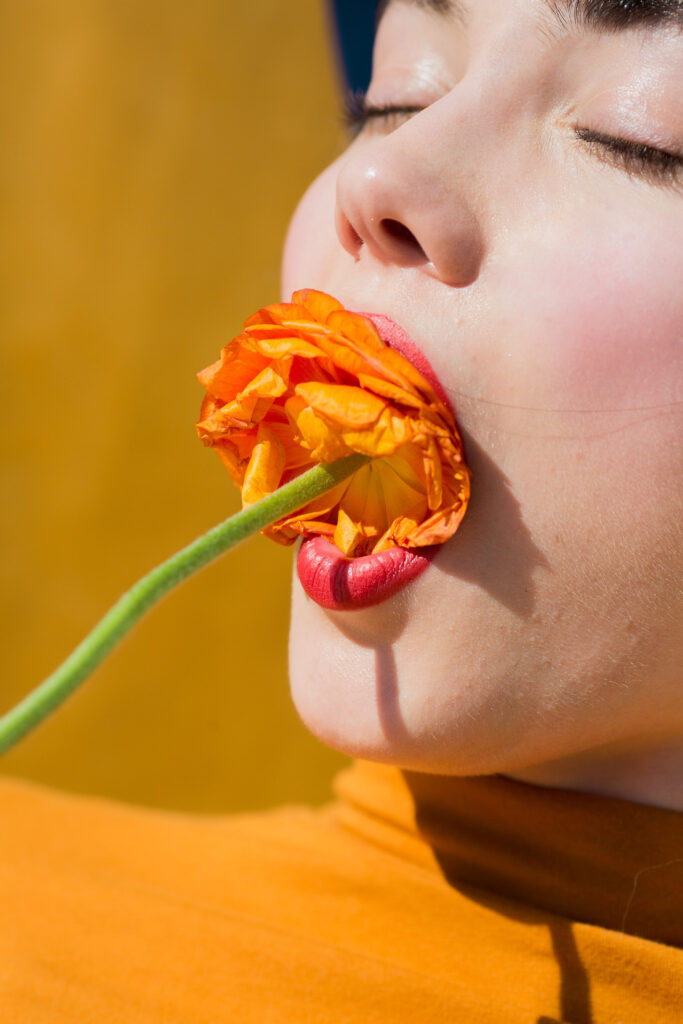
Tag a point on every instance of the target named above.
point(493, 547)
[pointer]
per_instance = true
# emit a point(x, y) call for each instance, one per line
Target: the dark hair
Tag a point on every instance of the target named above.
point(354, 22)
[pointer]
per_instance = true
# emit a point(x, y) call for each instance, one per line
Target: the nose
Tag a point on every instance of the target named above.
point(402, 198)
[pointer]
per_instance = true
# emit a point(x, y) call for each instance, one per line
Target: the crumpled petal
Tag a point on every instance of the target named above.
point(264, 471)
point(308, 381)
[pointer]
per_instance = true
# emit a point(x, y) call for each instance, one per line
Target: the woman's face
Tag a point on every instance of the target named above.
point(523, 225)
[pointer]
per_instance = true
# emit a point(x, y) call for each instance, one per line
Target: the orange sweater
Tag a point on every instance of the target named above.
point(410, 898)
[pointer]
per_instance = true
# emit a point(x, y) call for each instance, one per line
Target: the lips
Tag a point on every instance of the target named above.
point(344, 584)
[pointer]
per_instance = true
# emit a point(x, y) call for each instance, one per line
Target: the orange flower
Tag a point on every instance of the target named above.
point(308, 382)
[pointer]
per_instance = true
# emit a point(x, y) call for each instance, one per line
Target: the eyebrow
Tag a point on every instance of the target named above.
point(596, 15)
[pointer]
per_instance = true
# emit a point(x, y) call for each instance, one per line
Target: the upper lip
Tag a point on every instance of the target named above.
point(404, 343)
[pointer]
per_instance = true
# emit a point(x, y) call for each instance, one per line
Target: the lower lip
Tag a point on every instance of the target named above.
point(344, 584)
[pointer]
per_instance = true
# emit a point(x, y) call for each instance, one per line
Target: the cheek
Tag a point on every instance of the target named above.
point(311, 247)
point(609, 309)
point(583, 328)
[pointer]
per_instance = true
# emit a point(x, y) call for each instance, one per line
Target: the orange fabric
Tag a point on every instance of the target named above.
point(410, 898)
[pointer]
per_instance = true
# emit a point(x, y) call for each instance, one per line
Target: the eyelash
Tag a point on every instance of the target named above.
point(646, 162)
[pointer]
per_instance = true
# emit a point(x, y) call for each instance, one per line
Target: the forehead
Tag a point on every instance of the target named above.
point(452, 27)
point(602, 15)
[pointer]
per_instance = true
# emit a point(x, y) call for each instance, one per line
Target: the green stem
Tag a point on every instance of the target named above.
point(110, 630)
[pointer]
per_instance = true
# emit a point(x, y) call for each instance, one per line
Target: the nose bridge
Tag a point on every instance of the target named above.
point(408, 197)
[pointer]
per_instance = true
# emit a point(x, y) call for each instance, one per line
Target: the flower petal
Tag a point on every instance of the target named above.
point(308, 381)
point(346, 406)
point(319, 304)
point(231, 373)
point(266, 464)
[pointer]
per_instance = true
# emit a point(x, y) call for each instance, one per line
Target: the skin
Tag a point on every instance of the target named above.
point(541, 279)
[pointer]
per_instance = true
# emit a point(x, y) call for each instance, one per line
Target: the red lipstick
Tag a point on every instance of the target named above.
point(342, 584)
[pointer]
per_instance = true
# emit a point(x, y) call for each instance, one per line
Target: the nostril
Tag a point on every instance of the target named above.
point(400, 233)
point(346, 233)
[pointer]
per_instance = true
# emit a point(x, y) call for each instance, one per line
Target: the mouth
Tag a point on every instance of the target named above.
point(339, 583)
point(343, 584)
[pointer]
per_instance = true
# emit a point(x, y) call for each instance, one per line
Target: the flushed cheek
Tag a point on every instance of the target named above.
point(593, 458)
point(606, 318)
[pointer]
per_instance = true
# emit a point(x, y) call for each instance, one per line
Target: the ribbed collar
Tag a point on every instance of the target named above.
point(588, 858)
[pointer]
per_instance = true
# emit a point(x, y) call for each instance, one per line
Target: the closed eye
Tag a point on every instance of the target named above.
point(648, 162)
point(357, 112)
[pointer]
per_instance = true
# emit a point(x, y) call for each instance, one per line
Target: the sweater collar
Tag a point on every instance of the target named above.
point(599, 860)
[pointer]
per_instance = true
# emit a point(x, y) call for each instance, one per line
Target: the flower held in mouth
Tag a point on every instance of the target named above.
point(308, 382)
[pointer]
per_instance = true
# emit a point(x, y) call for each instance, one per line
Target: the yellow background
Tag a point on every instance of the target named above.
point(153, 151)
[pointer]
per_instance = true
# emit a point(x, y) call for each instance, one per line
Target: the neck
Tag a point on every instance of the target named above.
point(651, 775)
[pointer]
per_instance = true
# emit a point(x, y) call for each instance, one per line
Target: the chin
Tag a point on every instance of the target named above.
point(386, 700)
